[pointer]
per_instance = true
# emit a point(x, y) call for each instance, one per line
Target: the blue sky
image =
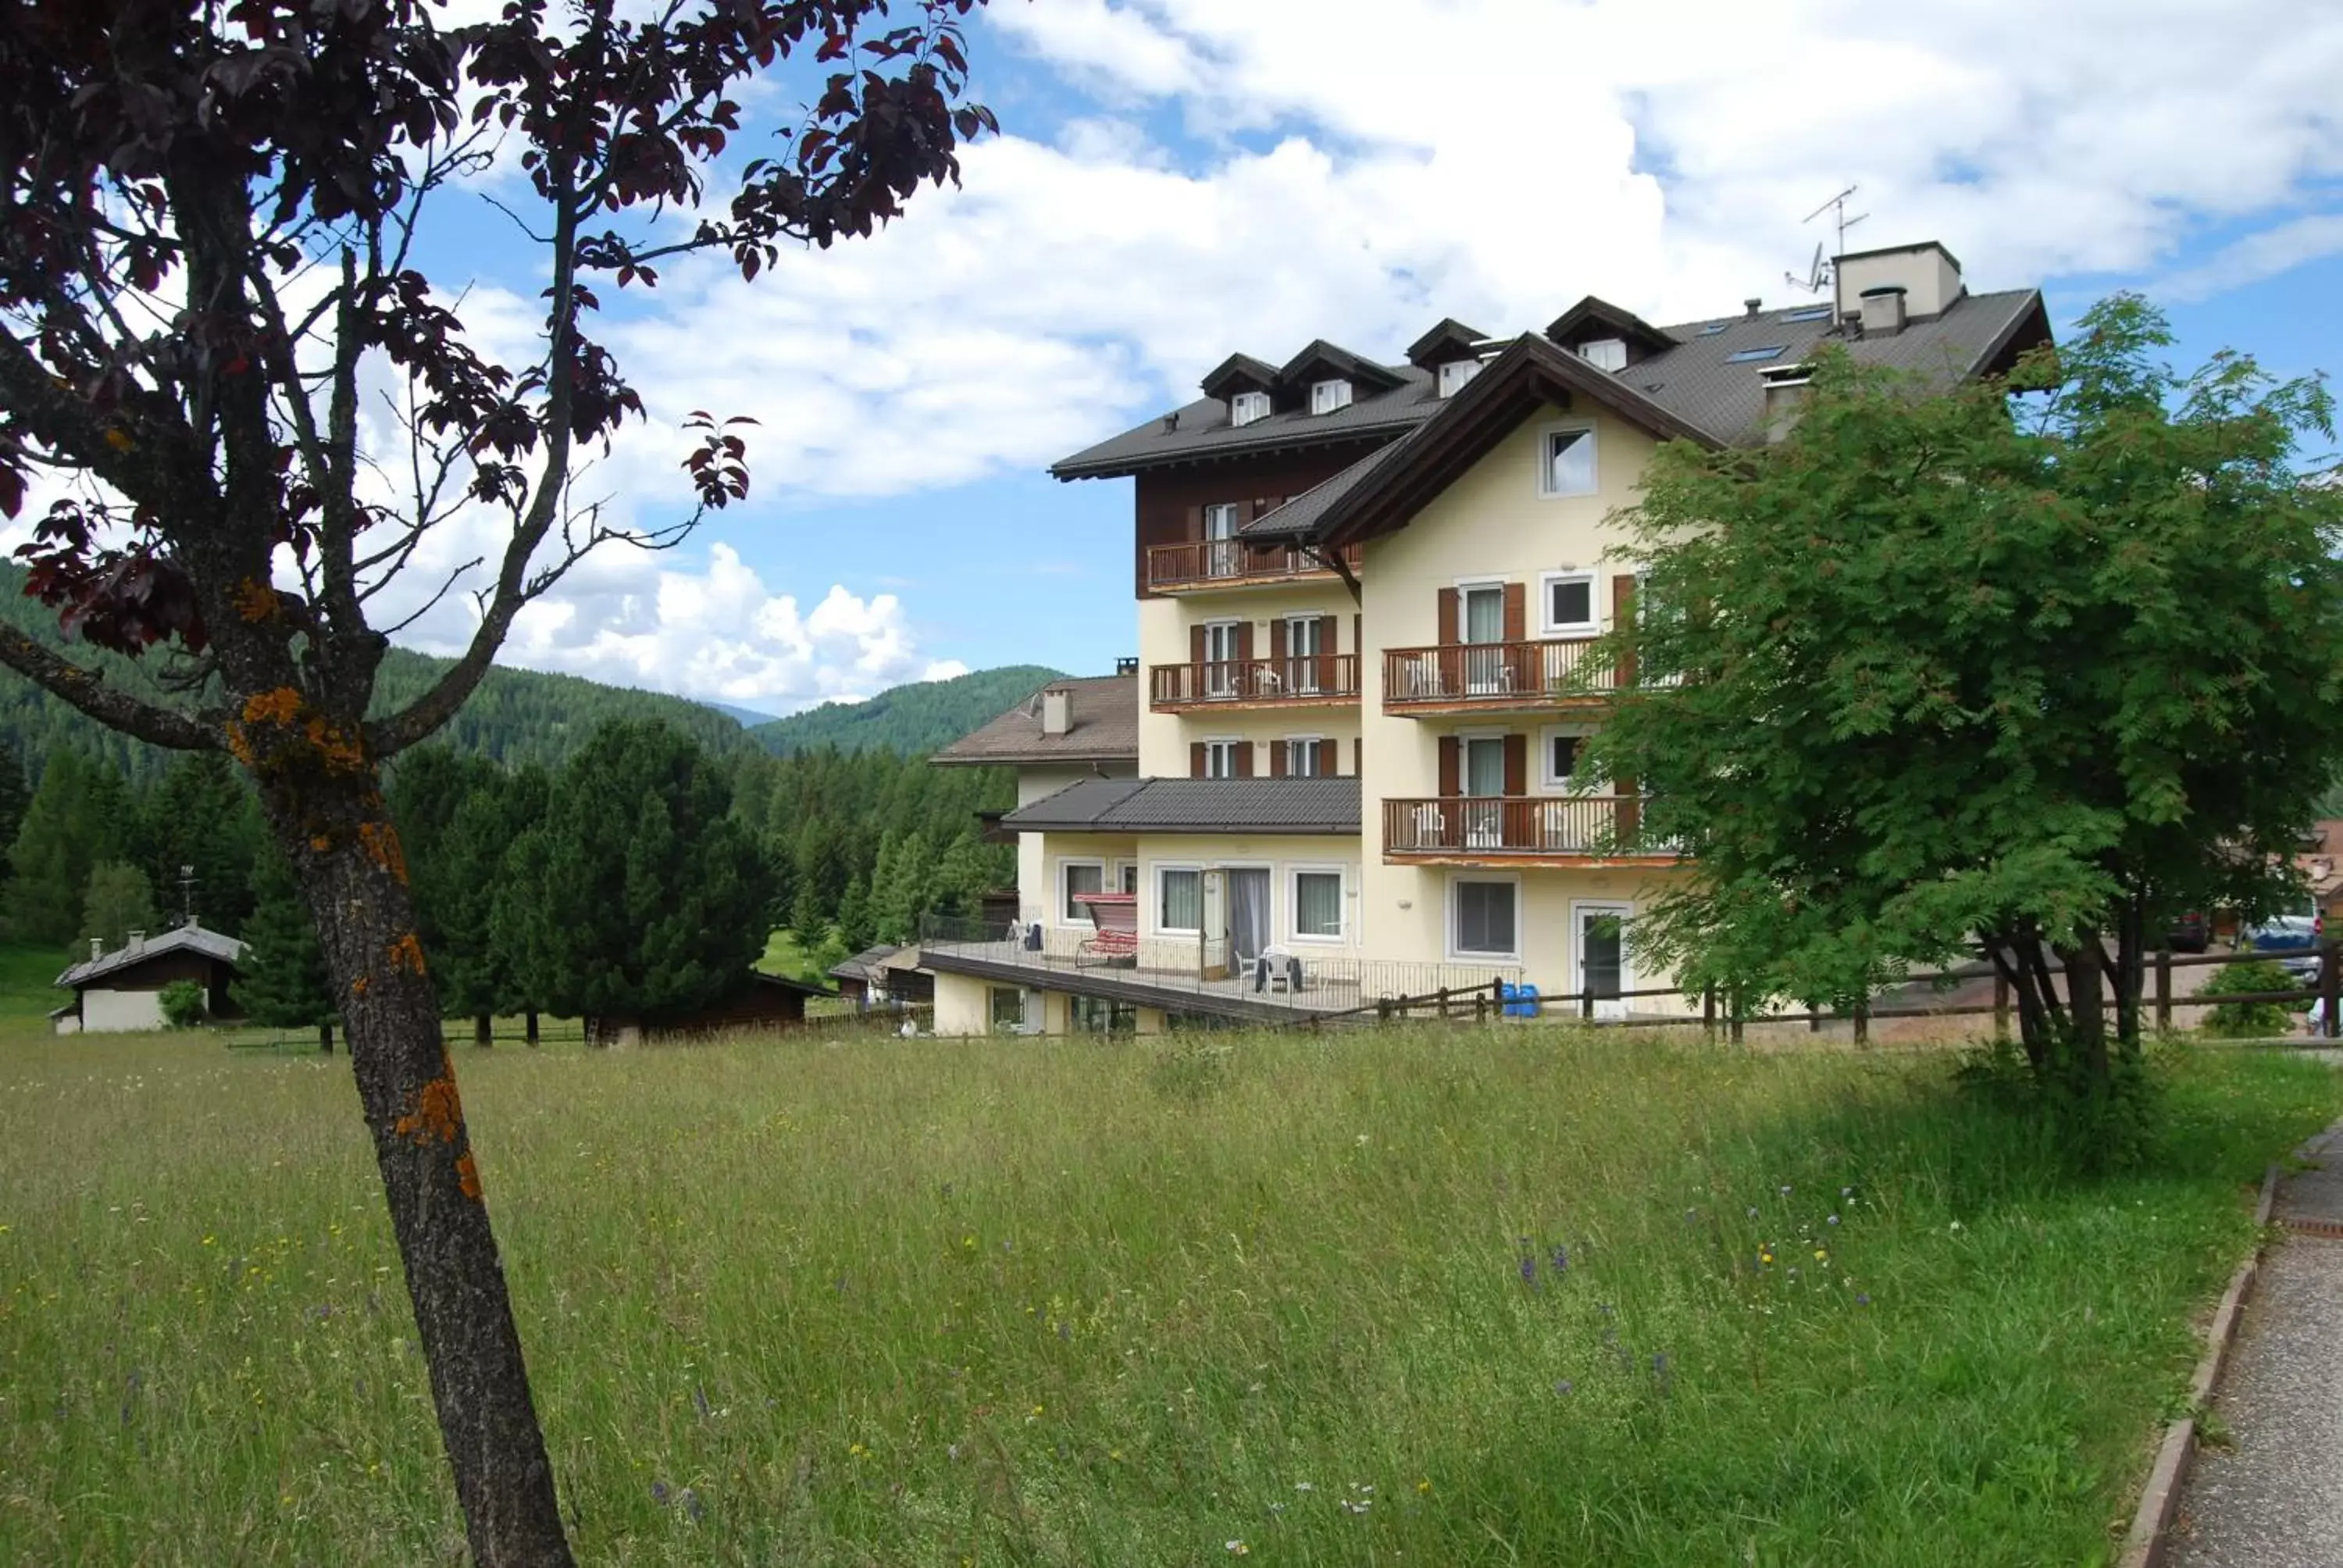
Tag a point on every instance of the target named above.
point(1179, 178)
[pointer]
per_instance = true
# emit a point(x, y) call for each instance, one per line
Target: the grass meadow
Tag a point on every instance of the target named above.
point(1503, 1296)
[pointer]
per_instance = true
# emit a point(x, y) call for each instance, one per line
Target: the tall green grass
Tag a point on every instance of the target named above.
point(1457, 1298)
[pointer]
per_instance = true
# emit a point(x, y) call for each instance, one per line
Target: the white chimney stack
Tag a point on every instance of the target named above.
point(1056, 712)
point(1927, 273)
point(96, 947)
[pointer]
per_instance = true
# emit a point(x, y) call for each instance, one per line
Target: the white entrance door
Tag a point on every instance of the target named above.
point(1599, 943)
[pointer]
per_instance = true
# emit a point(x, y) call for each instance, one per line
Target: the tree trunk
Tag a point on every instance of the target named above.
point(483, 1035)
point(2087, 966)
point(325, 1037)
point(353, 876)
point(529, 1026)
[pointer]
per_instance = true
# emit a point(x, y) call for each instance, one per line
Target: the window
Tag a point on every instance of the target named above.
point(1247, 406)
point(1484, 920)
point(1561, 760)
point(1307, 756)
point(1604, 353)
point(1713, 327)
point(1180, 900)
point(1097, 1015)
point(1223, 556)
point(1484, 608)
point(1809, 313)
point(1221, 758)
point(1318, 905)
point(1456, 373)
point(1008, 1007)
point(1127, 875)
point(1569, 602)
point(1325, 397)
point(1221, 672)
point(1568, 462)
point(1752, 356)
point(1304, 643)
point(1076, 878)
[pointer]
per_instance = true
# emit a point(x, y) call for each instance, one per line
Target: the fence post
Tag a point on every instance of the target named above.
point(2164, 991)
point(1480, 1008)
point(1814, 1018)
point(1382, 1009)
point(1586, 1002)
point(1708, 1013)
point(1443, 1004)
point(1733, 1015)
point(2330, 985)
point(2000, 1008)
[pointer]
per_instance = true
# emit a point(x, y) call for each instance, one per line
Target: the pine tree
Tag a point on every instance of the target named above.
point(119, 900)
point(15, 796)
point(201, 821)
point(284, 983)
point(855, 927)
point(76, 818)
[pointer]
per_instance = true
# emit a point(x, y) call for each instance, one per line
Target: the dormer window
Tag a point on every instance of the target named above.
point(1325, 397)
point(1605, 353)
point(1247, 406)
point(1456, 373)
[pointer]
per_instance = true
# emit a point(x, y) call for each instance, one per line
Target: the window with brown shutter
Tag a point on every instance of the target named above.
point(1245, 642)
point(1244, 749)
point(1196, 759)
point(1517, 612)
point(1451, 767)
point(1447, 637)
point(1277, 758)
point(1517, 765)
point(1277, 641)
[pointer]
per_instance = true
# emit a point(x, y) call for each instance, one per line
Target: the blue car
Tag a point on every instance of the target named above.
point(2292, 937)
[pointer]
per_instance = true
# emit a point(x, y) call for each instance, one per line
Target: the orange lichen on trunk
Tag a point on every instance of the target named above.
point(359, 985)
point(407, 953)
point(467, 1175)
point(438, 1112)
point(255, 600)
point(282, 705)
point(380, 841)
point(321, 843)
point(341, 751)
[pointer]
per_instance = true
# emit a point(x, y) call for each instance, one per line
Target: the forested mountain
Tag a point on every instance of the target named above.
point(913, 720)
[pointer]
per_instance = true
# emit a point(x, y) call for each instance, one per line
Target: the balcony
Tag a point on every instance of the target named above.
point(1495, 678)
point(1210, 565)
point(1509, 829)
point(1310, 680)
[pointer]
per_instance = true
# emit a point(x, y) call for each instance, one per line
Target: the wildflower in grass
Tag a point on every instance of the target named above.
point(691, 1508)
point(1562, 1260)
point(1423, 1486)
point(1303, 1487)
point(658, 1492)
point(1786, 1189)
point(699, 1401)
point(1239, 1549)
point(1564, 1387)
point(1832, 1221)
point(1529, 1269)
point(1863, 1298)
point(1752, 1212)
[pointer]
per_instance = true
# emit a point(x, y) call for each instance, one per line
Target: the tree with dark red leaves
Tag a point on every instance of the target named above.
point(209, 256)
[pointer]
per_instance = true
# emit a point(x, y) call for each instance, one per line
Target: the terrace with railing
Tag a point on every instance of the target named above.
point(1198, 565)
point(1546, 829)
point(1496, 677)
point(1308, 680)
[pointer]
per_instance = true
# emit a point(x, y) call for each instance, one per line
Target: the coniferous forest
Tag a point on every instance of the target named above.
point(575, 847)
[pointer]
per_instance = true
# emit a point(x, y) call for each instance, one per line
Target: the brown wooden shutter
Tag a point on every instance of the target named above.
point(1329, 651)
point(1277, 640)
point(1359, 634)
point(1196, 644)
point(1244, 749)
point(1245, 642)
point(1517, 765)
point(1196, 522)
point(1195, 760)
point(1358, 759)
point(1623, 614)
point(1447, 617)
point(1277, 759)
point(1517, 618)
point(1451, 767)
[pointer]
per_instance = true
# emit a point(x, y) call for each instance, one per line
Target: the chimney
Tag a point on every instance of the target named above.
point(1787, 387)
point(1126, 665)
point(1054, 711)
point(1927, 273)
point(1751, 306)
point(1883, 310)
point(137, 940)
point(96, 947)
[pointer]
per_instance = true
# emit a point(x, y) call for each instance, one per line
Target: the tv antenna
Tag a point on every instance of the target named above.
point(188, 893)
point(1821, 270)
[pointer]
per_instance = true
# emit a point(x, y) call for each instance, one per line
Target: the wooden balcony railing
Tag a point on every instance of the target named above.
point(1233, 563)
point(1491, 674)
point(1592, 826)
point(1310, 679)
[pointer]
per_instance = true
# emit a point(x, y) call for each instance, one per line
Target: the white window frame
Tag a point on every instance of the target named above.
point(1454, 913)
point(1614, 355)
point(1301, 671)
point(1615, 1007)
point(1290, 742)
point(1245, 408)
point(1155, 890)
point(1230, 741)
point(1223, 676)
point(1121, 872)
point(1294, 872)
point(1330, 395)
point(1548, 783)
point(1548, 626)
point(1546, 433)
point(1065, 915)
point(1454, 374)
point(1482, 676)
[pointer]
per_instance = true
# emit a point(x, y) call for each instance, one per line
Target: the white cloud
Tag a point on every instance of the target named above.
point(2256, 256)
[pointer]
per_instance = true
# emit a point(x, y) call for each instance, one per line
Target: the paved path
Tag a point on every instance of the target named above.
point(2274, 1498)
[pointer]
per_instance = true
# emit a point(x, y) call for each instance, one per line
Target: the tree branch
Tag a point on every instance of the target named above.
point(87, 691)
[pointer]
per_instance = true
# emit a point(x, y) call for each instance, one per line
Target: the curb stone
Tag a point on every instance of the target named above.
point(2146, 1541)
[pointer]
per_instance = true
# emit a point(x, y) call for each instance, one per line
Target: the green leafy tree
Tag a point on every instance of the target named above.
point(285, 983)
point(637, 894)
point(75, 819)
point(119, 901)
point(181, 1002)
point(1946, 671)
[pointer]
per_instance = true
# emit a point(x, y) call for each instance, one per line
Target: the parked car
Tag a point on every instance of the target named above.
point(2292, 935)
point(2190, 933)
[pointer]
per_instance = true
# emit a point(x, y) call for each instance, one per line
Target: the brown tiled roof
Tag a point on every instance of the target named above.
point(1196, 806)
point(1103, 726)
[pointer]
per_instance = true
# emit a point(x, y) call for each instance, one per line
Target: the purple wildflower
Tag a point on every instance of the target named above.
point(700, 1401)
point(658, 1492)
point(1863, 1298)
point(1529, 1269)
point(691, 1504)
point(1562, 1260)
point(1564, 1387)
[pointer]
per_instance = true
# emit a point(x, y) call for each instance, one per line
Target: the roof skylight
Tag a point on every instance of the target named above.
point(1712, 329)
point(1809, 313)
point(1752, 356)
